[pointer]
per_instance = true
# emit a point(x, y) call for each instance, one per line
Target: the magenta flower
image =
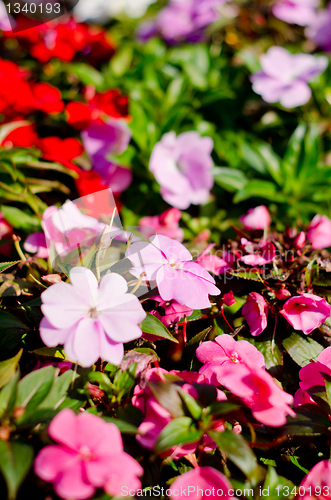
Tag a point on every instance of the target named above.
point(89, 455)
point(228, 299)
point(108, 138)
point(218, 355)
point(317, 483)
point(319, 29)
point(182, 166)
point(299, 12)
point(170, 312)
point(91, 321)
point(319, 232)
point(201, 483)
point(313, 374)
point(285, 76)
point(166, 224)
point(212, 263)
point(255, 312)
point(36, 243)
point(170, 264)
point(256, 218)
point(259, 254)
point(306, 312)
point(269, 404)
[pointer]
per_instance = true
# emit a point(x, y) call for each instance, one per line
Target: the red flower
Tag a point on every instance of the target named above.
point(102, 47)
point(47, 98)
point(61, 150)
point(22, 137)
point(99, 105)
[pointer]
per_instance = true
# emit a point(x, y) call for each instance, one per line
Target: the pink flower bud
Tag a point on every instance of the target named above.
point(255, 312)
point(282, 294)
point(52, 278)
point(229, 299)
point(256, 218)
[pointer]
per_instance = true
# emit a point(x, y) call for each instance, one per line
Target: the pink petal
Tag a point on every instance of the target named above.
point(72, 483)
point(51, 460)
point(87, 342)
point(63, 297)
point(84, 280)
point(52, 336)
point(63, 429)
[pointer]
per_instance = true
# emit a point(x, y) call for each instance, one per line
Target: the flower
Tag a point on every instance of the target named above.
point(319, 29)
point(259, 254)
point(182, 166)
point(317, 482)
point(169, 263)
point(169, 312)
point(36, 243)
point(255, 312)
point(166, 224)
point(6, 232)
point(313, 373)
point(268, 402)
point(299, 12)
point(89, 455)
point(319, 232)
point(212, 263)
point(228, 299)
point(306, 312)
point(256, 218)
point(94, 321)
point(101, 139)
point(197, 482)
point(284, 76)
point(217, 355)
point(101, 11)
point(61, 150)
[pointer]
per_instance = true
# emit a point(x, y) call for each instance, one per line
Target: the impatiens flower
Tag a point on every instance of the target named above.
point(91, 321)
point(36, 243)
point(61, 150)
point(166, 224)
point(285, 76)
point(212, 263)
point(201, 483)
point(101, 139)
point(256, 218)
point(319, 232)
point(170, 312)
point(255, 312)
point(268, 402)
point(218, 355)
point(228, 299)
point(319, 29)
point(182, 166)
point(299, 12)
point(259, 254)
point(306, 312)
point(5, 233)
point(170, 264)
point(317, 483)
point(313, 374)
point(89, 455)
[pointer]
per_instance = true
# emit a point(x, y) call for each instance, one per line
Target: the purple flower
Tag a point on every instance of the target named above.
point(299, 12)
point(182, 166)
point(108, 138)
point(319, 29)
point(92, 321)
point(284, 76)
point(259, 254)
point(170, 264)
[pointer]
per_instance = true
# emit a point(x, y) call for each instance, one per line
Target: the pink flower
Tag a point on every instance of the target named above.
point(306, 312)
point(5, 233)
point(259, 254)
point(166, 224)
point(108, 138)
point(225, 351)
point(169, 263)
point(302, 398)
point(317, 483)
point(319, 29)
point(314, 373)
point(285, 76)
point(36, 243)
point(269, 404)
point(256, 218)
point(170, 312)
point(182, 166)
point(228, 299)
point(299, 12)
point(319, 232)
point(255, 312)
point(201, 483)
point(212, 263)
point(89, 455)
point(91, 321)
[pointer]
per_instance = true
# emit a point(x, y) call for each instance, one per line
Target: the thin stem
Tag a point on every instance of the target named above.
point(18, 248)
point(226, 321)
point(273, 336)
point(184, 331)
point(141, 277)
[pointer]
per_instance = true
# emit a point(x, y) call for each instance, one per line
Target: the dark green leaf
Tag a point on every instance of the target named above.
point(8, 368)
point(302, 349)
point(177, 432)
point(153, 325)
point(34, 387)
point(7, 265)
point(15, 461)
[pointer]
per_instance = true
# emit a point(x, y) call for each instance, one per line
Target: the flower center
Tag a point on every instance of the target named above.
point(177, 265)
point(85, 453)
point(93, 313)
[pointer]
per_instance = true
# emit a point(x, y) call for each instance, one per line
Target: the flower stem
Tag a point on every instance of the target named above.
point(226, 321)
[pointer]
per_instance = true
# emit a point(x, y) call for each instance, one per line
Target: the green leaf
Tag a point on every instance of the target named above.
point(272, 162)
point(7, 265)
point(312, 272)
point(302, 350)
point(238, 451)
point(167, 394)
point(260, 189)
point(124, 427)
point(34, 387)
point(230, 178)
point(275, 484)
point(59, 390)
point(121, 61)
point(87, 74)
point(191, 346)
point(8, 368)
point(8, 395)
point(154, 326)
point(19, 219)
point(272, 353)
point(177, 432)
point(15, 461)
point(191, 404)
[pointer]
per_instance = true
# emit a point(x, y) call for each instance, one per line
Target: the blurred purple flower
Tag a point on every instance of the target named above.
point(284, 76)
point(182, 166)
point(108, 138)
point(298, 12)
point(319, 30)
